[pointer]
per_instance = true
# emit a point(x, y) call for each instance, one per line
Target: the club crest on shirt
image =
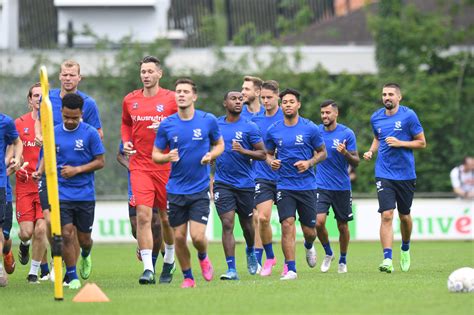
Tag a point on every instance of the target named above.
point(299, 139)
point(238, 135)
point(335, 143)
point(160, 108)
point(398, 125)
point(26, 130)
point(79, 145)
point(197, 134)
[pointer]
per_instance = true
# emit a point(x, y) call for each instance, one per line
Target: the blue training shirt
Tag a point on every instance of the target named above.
point(234, 168)
point(395, 163)
point(293, 144)
point(249, 115)
point(8, 134)
point(130, 194)
point(332, 173)
point(262, 169)
point(90, 111)
point(193, 139)
point(77, 147)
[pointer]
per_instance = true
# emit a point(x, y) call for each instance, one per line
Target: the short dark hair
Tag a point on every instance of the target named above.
point(292, 92)
point(393, 85)
point(226, 95)
point(329, 103)
point(30, 91)
point(73, 101)
point(186, 81)
point(151, 59)
point(271, 85)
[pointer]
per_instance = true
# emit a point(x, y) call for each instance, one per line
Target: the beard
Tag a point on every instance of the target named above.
point(389, 105)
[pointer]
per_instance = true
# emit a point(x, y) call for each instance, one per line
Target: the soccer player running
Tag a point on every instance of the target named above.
point(333, 182)
point(194, 141)
point(79, 153)
point(123, 159)
point(142, 112)
point(28, 208)
point(299, 147)
point(8, 136)
point(265, 178)
point(234, 181)
point(397, 132)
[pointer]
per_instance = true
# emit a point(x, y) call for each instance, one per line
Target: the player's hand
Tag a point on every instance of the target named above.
point(236, 146)
point(68, 171)
point(341, 147)
point(36, 176)
point(173, 155)
point(206, 159)
point(22, 175)
point(128, 148)
point(39, 140)
point(393, 142)
point(368, 155)
point(276, 164)
point(302, 166)
point(14, 164)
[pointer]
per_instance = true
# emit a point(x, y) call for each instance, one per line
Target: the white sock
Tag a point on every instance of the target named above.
point(35, 264)
point(146, 258)
point(169, 254)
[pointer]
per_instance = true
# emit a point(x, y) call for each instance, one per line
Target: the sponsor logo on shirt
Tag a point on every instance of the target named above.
point(79, 145)
point(26, 130)
point(160, 108)
point(379, 131)
point(137, 118)
point(135, 106)
point(175, 139)
point(197, 134)
point(29, 143)
point(299, 139)
point(398, 125)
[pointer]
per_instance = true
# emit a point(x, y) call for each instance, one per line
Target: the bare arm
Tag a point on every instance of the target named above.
point(418, 142)
point(373, 148)
point(123, 160)
point(319, 155)
point(216, 150)
point(352, 157)
point(258, 152)
point(97, 163)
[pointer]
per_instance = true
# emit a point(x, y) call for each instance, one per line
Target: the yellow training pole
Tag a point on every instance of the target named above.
point(49, 150)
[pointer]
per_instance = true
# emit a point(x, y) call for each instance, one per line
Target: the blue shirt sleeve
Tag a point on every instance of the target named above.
point(270, 145)
point(91, 114)
point(97, 148)
point(351, 143)
point(316, 138)
point(415, 125)
point(254, 133)
point(161, 141)
point(214, 131)
point(11, 132)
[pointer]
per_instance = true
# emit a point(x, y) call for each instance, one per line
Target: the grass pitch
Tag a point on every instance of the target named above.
point(363, 290)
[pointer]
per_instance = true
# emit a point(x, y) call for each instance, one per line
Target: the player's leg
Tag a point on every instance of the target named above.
point(405, 193)
point(157, 236)
point(244, 200)
point(257, 239)
point(84, 222)
point(183, 254)
point(264, 210)
point(306, 201)
point(386, 196)
point(38, 249)
point(69, 255)
point(25, 234)
point(228, 243)
point(286, 205)
point(342, 206)
point(344, 237)
point(198, 217)
point(323, 202)
point(8, 258)
point(3, 274)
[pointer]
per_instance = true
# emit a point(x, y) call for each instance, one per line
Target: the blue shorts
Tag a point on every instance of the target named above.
point(395, 194)
point(339, 200)
point(79, 213)
point(302, 201)
point(265, 190)
point(183, 208)
point(228, 198)
point(7, 224)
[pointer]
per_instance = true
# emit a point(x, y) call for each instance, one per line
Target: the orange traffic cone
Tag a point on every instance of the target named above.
point(90, 293)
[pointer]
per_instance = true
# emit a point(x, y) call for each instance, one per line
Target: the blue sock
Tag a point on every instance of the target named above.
point(188, 274)
point(259, 254)
point(85, 252)
point(342, 259)
point(249, 249)
point(308, 245)
point(291, 265)
point(387, 253)
point(154, 258)
point(327, 249)
point(202, 256)
point(44, 269)
point(405, 246)
point(269, 250)
point(71, 273)
point(230, 262)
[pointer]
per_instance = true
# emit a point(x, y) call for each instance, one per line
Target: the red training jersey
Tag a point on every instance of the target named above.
point(138, 112)
point(25, 125)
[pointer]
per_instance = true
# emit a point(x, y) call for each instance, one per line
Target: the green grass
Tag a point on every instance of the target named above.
point(363, 290)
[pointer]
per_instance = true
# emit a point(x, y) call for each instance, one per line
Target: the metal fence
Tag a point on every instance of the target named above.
point(197, 18)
